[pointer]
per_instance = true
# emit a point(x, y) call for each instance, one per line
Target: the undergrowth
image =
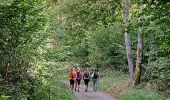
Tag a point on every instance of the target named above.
point(118, 84)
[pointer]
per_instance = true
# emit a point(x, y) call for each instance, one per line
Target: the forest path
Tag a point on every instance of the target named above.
point(90, 95)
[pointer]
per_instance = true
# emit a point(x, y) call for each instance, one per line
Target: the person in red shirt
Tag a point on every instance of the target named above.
point(78, 78)
point(73, 76)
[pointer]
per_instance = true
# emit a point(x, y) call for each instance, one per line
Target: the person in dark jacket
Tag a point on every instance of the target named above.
point(78, 79)
point(86, 78)
point(95, 78)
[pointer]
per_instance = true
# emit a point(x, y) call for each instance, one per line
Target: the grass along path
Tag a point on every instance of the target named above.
point(118, 85)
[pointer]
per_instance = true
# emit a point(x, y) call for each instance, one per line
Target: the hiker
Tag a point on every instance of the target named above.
point(86, 78)
point(78, 78)
point(95, 78)
point(72, 78)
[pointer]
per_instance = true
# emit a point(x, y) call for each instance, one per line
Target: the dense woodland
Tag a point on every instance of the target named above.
point(39, 38)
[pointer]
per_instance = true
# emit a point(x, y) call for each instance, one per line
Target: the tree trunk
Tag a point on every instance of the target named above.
point(127, 39)
point(138, 69)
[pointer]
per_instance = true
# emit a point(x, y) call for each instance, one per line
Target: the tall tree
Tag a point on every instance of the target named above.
point(139, 52)
point(127, 38)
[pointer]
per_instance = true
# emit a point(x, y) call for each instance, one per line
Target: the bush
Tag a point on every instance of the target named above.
point(107, 47)
point(141, 94)
point(159, 73)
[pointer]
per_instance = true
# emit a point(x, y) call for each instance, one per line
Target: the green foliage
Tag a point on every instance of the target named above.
point(107, 81)
point(156, 51)
point(34, 32)
point(89, 14)
point(106, 47)
point(24, 29)
point(51, 87)
point(159, 72)
point(2, 97)
point(82, 18)
point(142, 95)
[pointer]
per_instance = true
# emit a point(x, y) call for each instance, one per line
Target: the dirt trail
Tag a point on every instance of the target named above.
point(91, 95)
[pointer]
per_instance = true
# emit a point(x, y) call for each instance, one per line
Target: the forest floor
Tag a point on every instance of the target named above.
point(90, 95)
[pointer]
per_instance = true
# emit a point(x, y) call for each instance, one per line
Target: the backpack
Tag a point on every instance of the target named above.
point(72, 75)
point(78, 76)
point(96, 75)
point(86, 75)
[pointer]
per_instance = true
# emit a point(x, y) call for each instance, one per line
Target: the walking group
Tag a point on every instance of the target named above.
point(77, 75)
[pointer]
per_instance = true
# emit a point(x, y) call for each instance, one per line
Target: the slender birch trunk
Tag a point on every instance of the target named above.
point(127, 39)
point(139, 52)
